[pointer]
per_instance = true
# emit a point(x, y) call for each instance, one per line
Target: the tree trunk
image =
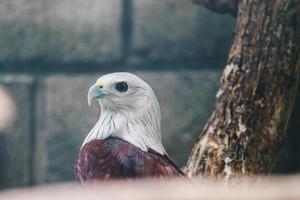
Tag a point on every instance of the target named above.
point(257, 91)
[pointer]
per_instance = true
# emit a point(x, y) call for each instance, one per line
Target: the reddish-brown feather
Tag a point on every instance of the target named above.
point(116, 158)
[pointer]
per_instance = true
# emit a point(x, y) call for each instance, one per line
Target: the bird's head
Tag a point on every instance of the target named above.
point(129, 110)
point(122, 92)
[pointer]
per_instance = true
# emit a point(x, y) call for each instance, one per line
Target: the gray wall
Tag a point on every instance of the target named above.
point(52, 51)
point(90, 35)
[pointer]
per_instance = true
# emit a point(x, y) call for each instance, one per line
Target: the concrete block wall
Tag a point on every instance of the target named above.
point(69, 35)
point(174, 31)
point(59, 31)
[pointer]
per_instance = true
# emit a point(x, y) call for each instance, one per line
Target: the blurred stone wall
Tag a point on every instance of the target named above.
point(52, 51)
point(87, 35)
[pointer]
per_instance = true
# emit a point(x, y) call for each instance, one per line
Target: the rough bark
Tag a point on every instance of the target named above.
point(257, 91)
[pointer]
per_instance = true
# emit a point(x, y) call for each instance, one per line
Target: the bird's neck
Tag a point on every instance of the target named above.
point(105, 127)
point(141, 130)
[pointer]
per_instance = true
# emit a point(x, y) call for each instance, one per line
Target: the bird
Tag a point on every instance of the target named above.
point(125, 143)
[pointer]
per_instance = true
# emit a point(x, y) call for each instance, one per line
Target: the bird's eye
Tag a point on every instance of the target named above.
point(122, 86)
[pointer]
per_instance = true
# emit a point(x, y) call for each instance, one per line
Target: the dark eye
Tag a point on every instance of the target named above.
point(122, 86)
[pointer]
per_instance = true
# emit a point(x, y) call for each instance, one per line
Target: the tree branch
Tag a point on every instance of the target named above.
point(256, 95)
point(220, 6)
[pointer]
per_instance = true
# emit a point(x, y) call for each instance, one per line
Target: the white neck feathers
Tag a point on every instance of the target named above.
point(138, 127)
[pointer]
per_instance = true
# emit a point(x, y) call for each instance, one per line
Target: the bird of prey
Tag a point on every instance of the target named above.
point(126, 140)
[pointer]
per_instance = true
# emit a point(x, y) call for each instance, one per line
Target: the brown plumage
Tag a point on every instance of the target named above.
point(114, 158)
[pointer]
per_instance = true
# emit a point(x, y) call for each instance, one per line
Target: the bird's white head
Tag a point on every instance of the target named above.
point(129, 110)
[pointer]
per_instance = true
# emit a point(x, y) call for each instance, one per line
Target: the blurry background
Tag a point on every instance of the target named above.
point(52, 51)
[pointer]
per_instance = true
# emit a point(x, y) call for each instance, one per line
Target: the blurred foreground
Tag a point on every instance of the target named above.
point(52, 51)
point(262, 188)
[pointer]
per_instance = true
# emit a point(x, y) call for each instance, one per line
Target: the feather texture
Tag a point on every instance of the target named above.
point(114, 158)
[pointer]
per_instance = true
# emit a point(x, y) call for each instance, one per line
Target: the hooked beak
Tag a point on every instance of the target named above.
point(95, 92)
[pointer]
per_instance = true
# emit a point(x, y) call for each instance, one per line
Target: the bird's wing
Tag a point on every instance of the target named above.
point(116, 158)
point(97, 160)
point(153, 164)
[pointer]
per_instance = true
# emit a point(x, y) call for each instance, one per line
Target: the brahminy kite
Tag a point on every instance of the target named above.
point(126, 140)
